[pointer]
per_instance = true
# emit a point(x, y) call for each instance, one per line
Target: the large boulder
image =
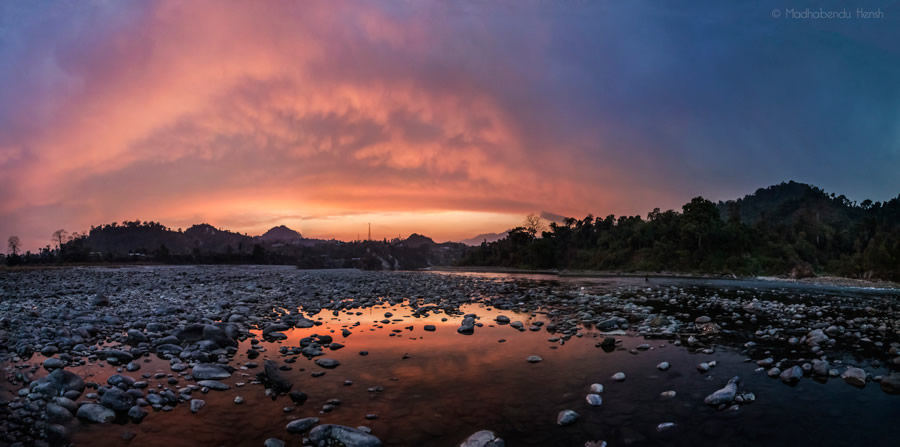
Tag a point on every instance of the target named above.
point(301, 425)
point(891, 383)
point(854, 376)
point(191, 332)
point(99, 300)
point(218, 336)
point(117, 400)
point(58, 383)
point(95, 413)
point(327, 363)
point(349, 437)
point(724, 395)
point(820, 368)
point(792, 375)
point(608, 324)
point(169, 348)
point(116, 379)
point(816, 337)
point(57, 414)
point(209, 371)
point(272, 377)
point(135, 337)
point(483, 438)
point(274, 327)
point(117, 354)
point(468, 325)
point(213, 385)
point(802, 270)
point(566, 417)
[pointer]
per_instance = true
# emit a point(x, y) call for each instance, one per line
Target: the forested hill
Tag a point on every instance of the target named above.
point(787, 229)
point(136, 241)
point(792, 201)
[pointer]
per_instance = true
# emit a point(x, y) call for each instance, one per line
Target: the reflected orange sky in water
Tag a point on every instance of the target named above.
point(452, 385)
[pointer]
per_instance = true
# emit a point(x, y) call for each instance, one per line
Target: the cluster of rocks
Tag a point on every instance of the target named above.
point(195, 317)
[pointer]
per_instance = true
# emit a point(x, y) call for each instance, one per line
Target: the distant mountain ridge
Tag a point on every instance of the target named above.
point(280, 233)
point(417, 240)
point(488, 237)
point(205, 244)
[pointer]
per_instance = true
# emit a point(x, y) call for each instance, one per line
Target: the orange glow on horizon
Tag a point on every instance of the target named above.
point(260, 114)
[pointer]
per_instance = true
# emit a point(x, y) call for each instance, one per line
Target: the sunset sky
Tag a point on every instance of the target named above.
point(443, 118)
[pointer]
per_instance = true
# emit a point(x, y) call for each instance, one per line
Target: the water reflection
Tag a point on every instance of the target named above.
point(439, 387)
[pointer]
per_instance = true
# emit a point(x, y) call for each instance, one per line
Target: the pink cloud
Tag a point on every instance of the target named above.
point(212, 111)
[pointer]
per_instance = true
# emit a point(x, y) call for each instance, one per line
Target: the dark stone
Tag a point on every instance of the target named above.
point(117, 400)
point(59, 382)
point(349, 437)
point(208, 371)
point(301, 425)
point(95, 413)
point(271, 376)
point(328, 363)
point(298, 397)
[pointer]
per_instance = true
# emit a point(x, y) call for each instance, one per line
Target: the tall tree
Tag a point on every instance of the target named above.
point(13, 243)
point(59, 236)
point(533, 225)
point(701, 217)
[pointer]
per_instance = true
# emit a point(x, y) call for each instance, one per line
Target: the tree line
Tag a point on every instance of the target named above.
point(152, 242)
point(787, 229)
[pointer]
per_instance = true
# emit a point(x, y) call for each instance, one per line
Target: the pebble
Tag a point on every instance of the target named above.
point(483, 438)
point(301, 425)
point(197, 404)
point(566, 417)
point(665, 426)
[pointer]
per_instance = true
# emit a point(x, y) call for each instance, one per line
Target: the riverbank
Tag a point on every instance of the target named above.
point(824, 280)
point(216, 355)
point(837, 281)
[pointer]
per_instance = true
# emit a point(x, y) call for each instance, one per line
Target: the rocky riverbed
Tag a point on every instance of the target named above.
point(278, 356)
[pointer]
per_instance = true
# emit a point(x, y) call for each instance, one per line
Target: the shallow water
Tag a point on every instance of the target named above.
point(439, 387)
point(453, 385)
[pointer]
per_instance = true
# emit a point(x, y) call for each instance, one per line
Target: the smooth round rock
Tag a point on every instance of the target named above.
point(301, 425)
point(566, 417)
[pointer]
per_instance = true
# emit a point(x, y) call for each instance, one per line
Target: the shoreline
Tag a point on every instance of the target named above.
point(824, 280)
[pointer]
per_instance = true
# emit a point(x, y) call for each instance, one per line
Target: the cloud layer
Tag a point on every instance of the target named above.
point(444, 118)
